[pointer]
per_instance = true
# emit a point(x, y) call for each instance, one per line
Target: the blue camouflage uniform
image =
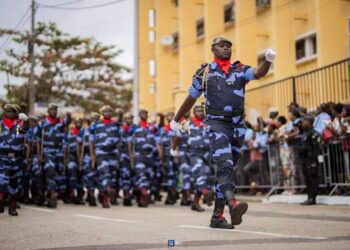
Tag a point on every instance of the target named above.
point(53, 152)
point(125, 166)
point(11, 158)
point(184, 165)
point(106, 138)
point(165, 138)
point(37, 181)
point(90, 175)
point(144, 150)
point(198, 154)
point(71, 146)
point(224, 112)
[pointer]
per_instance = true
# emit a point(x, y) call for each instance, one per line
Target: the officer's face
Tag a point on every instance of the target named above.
point(199, 113)
point(143, 116)
point(222, 50)
point(128, 120)
point(78, 123)
point(33, 123)
point(107, 114)
point(10, 113)
point(52, 112)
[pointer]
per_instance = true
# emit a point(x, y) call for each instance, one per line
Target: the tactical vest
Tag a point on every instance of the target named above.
point(106, 136)
point(11, 141)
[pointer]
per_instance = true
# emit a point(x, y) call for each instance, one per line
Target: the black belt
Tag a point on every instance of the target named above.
point(236, 112)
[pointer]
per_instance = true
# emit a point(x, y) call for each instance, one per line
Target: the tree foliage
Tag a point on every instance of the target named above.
point(78, 71)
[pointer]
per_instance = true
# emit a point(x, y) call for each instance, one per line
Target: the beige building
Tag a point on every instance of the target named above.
point(175, 38)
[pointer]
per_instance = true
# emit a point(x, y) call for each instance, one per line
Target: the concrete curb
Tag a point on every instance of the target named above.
point(296, 199)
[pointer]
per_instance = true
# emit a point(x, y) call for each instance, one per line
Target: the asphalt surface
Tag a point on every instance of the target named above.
point(265, 226)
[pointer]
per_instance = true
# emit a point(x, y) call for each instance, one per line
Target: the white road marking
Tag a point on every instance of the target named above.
point(255, 232)
point(39, 209)
point(105, 219)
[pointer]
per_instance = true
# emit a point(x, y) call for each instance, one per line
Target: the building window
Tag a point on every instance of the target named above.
point(152, 88)
point(200, 28)
point(152, 36)
point(175, 46)
point(262, 4)
point(152, 68)
point(152, 18)
point(229, 13)
point(306, 47)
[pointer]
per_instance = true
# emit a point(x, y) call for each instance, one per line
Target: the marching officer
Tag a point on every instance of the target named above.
point(125, 169)
point(144, 150)
point(223, 84)
point(50, 140)
point(166, 140)
point(13, 129)
point(104, 139)
point(72, 157)
point(309, 150)
point(85, 163)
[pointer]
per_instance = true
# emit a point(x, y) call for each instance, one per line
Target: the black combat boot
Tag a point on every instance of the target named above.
point(186, 198)
point(113, 197)
point(308, 202)
point(236, 210)
point(171, 197)
point(52, 203)
point(209, 197)
point(13, 207)
point(217, 219)
point(143, 200)
point(195, 204)
point(127, 198)
point(105, 200)
point(92, 199)
point(2, 209)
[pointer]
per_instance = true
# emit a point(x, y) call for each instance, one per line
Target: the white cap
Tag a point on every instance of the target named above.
point(273, 110)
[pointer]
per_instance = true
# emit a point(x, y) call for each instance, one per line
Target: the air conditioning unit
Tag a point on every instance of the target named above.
point(167, 40)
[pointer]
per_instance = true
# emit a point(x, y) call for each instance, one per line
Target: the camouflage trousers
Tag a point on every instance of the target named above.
point(226, 141)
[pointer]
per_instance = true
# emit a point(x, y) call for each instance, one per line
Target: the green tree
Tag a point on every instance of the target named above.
point(78, 71)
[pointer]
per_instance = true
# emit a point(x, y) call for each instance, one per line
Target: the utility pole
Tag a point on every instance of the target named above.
point(136, 63)
point(31, 85)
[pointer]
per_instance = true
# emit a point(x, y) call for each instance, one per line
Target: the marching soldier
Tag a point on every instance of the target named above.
point(166, 141)
point(72, 157)
point(104, 139)
point(144, 150)
point(223, 84)
point(125, 170)
point(50, 139)
point(13, 129)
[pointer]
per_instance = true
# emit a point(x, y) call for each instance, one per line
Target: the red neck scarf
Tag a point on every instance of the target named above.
point(126, 128)
point(197, 121)
point(143, 124)
point(75, 131)
point(9, 123)
point(51, 120)
point(224, 65)
point(167, 127)
point(106, 121)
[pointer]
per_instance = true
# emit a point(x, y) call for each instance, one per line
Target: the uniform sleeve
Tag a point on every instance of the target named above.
point(249, 73)
point(81, 135)
point(196, 88)
point(38, 132)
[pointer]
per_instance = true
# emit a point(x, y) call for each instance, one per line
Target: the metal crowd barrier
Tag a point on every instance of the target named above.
point(271, 175)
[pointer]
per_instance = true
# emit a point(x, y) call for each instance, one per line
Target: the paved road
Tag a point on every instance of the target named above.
point(266, 226)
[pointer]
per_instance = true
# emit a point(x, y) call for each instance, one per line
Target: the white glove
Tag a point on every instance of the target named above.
point(22, 117)
point(174, 153)
point(176, 126)
point(270, 55)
